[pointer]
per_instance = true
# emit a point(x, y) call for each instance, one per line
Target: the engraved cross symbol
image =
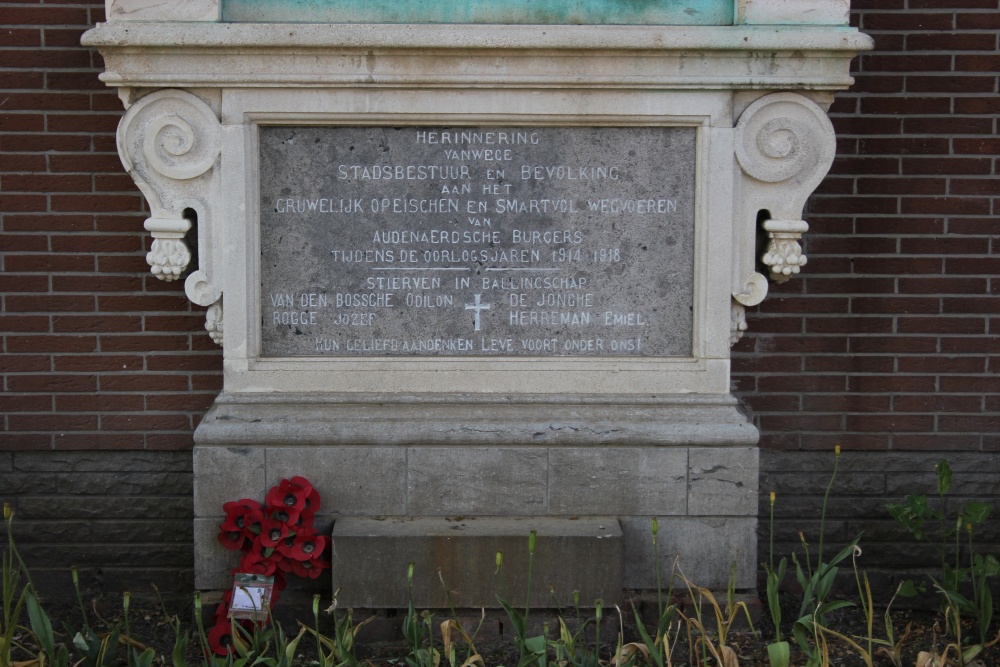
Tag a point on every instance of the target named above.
point(477, 307)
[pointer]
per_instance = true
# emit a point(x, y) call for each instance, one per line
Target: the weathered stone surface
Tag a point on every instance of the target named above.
point(477, 241)
point(370, 559)
point(705, 549)
point(80, 507)
point(156, 10)
point(226, 474)
point(139, 555)
point(722, 481)
point(458, 480)
point(6, 461)
point(117, 461)
point(213, 563)
point(361, 481)
point(103, 532)
point(621, 481)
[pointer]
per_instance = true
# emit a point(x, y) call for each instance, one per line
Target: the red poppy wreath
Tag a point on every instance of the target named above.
point(276, 538)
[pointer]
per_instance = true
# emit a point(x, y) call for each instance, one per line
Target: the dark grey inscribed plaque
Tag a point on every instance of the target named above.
point(477, 241)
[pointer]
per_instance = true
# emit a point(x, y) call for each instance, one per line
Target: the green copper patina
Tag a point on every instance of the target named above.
point(598, 12)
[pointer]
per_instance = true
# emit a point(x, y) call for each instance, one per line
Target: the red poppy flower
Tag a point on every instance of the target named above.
point(220, 637)
point(289, 493)
point(286, 515)
point(234, 540)
point(272, 531)
point(258, 561)
point(243, 515)
point(285, 546)
point(222, 611)
point(307, 547)
point(311, 568)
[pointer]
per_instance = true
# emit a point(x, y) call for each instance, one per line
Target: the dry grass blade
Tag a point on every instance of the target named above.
point(729, 658)
point(629, 651)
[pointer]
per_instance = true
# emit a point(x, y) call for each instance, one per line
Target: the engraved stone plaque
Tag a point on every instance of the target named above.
point(477, 241)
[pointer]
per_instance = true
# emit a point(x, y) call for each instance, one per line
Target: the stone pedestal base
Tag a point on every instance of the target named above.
point(689, 460)
point(371, 557)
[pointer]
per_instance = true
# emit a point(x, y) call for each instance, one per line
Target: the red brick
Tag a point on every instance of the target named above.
point(983, 21)
point(946, 205)
point(52, 422)
point(894, 345)
point(849, 364)
point(180, 402)
point(51, 382)
point(942, 325)
point(968, 383)
point(97, 324)
point(96, 244)
point(98, 363)
point(96, 283)
point(45, 222)
point(848, 325)
point(144, 382)
point(909, 21)
point(50, 303)
point(951, 84)
point(100, 403)
point(801, 383)
point(909, 106)
point(39, 343)
point(29, 283)
point(902, 186)
point(24, 442)
point(983, 104)
point(169, 442)
point(143, 343)
point(190, 362)
point(948, 442)
point(811, 422)
point(25, 403)
point(982, 265)
point(14, 79)
point(942, 364)
point(840, 403)
point(965, 41)
point(944, 245)
point(970, 345)
point(936, 403)
point(890, 422)
point(20, 37)
point(974, 423)
point(48, 263)
point(25, 363)
point(71, 441)
point(894, 304)
point(45, 183)
point(32, 16)
point(897, 265)
point(891, 383)
point(947, 125)
point(945, 285)
point(888, 62)
point(903, 146)
point(96, 202)
point(21, 122)
point(146, 422)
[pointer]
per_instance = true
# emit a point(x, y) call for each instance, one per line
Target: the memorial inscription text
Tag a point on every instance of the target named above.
point(473, 241)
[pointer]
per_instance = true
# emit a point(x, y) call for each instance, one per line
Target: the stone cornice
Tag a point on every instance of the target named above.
point(306, 55)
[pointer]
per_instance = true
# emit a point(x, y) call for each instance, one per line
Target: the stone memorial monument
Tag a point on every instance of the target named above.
point(476, 267)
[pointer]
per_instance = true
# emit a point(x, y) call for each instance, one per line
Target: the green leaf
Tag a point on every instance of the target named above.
point(907, 589)
point(778, 654)
point(943, 476)
point(40, 624)
point(976, 512)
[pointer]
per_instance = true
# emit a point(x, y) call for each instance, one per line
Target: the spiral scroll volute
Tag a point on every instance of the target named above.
point(785, 137)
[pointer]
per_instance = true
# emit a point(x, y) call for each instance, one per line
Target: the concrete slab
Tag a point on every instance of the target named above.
point(371, 557)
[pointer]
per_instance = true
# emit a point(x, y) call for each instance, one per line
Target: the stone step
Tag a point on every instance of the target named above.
point(371, 557)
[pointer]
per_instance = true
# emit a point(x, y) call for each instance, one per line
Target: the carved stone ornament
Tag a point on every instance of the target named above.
point(784, 254)
point(170, 142)
point(738, 322)
point(785, 145)
point(213, 321)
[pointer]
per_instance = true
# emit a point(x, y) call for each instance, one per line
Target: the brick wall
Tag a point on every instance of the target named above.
point(97, 354)
point(884, 343)
point(888, 343)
